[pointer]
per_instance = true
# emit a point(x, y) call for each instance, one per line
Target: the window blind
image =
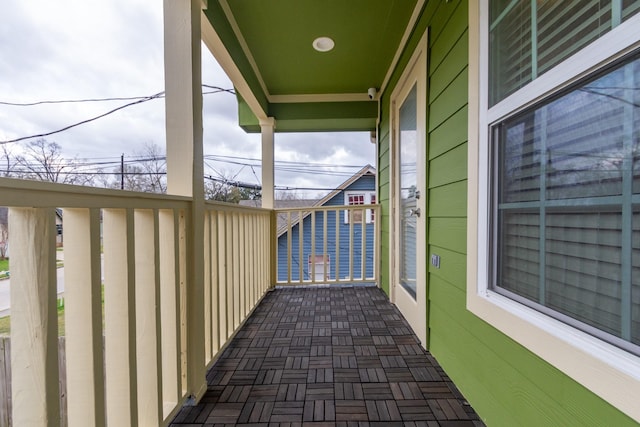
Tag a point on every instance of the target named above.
point(527, 38)
point(568, 203)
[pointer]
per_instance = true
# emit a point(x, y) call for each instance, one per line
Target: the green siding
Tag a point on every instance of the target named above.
point(449, 167)
point(504, 382)
point(449, 134)
point(449, 233)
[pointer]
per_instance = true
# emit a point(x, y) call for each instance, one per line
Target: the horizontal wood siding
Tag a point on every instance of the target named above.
point(504, 382)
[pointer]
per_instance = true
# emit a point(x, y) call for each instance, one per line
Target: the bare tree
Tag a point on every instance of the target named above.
point(289, 195)
point(42, 161)
point(7, 161)
point(154, 165)
point(147, 174)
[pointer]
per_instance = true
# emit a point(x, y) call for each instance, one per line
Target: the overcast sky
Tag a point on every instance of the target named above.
point(86, 49)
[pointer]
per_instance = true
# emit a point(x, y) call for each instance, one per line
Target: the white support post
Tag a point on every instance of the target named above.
point(83, 318)
point(183, 88)
point(34, 325)
point(120, 318)
point(268, 186)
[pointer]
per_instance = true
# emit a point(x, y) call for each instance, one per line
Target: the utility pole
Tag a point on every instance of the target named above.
point(122, 171)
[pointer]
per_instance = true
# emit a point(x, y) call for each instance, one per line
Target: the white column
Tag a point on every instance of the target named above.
point(183, 90)
point(268, 193)
point(83, 318)
point(34, 323)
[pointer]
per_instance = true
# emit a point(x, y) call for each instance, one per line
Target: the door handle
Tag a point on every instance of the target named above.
point(415, 212)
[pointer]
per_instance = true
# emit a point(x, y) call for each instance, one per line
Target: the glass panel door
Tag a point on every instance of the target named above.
point(408, 193)
point(409, 211)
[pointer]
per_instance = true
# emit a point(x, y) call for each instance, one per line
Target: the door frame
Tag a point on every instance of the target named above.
point(415, 311)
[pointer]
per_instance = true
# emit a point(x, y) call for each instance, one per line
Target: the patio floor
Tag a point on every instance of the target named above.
point(328, 357)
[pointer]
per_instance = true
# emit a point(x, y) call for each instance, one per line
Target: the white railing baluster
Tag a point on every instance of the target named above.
point(230, 278)
point(289, 247)
point(222, 276)
point(339, 221)
point(83, 318)
point(169, 300)
point(182, 224)
point(326, 267)
point(363, 246)
point(312, 264)
point(208, 310)
point(351, 242)
point(119, 317)
point(300, 246)
point(215, 292)
point(241, 263)
point(147, 317)
point(34, 326)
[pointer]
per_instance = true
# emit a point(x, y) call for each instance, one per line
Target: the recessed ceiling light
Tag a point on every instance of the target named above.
point(323, 44)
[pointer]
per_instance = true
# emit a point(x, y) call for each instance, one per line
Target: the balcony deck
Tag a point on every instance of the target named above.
point(327, 356)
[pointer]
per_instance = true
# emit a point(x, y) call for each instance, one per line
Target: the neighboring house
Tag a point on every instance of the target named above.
point(59, 235)
point(321, 264)
point(4, 230)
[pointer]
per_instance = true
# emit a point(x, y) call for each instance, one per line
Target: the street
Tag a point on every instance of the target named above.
point(5, 286)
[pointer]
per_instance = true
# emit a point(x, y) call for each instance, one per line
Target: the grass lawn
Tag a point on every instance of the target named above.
point(4, 264)
point(5, 323)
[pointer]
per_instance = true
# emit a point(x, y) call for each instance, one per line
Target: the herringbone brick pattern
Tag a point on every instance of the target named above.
point(327, 357)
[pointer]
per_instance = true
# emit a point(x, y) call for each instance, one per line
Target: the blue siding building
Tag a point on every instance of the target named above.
point(340, 255)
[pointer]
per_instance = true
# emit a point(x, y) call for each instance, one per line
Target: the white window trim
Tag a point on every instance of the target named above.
point(367, 201)
point(608, 371)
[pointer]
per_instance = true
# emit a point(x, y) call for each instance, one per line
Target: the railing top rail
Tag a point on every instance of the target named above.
point(213, 205)
point(326, 208)
point(26, 193)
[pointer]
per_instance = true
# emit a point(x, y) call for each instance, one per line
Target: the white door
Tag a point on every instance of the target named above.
point(409, 157)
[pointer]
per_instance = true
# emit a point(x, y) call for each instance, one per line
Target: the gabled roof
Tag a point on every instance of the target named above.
point(367, 170)
point(283, 204)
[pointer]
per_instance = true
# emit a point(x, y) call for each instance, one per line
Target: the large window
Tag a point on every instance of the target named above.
point(554, 185)
point(567, 204)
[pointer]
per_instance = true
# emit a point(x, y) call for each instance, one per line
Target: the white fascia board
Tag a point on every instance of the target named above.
point(220, 52)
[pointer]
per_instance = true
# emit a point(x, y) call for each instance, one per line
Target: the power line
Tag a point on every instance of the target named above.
point(137, 101)
point(216, 89)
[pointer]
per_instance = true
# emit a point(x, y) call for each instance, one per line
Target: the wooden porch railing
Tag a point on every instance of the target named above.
point(327, 245)
point(128, 278)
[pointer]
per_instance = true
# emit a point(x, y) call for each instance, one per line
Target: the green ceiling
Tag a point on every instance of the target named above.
point(271, 44)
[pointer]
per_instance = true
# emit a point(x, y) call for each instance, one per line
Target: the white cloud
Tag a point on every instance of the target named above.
point(78, 49)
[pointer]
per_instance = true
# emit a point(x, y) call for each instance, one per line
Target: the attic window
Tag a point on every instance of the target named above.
point(323, 44)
